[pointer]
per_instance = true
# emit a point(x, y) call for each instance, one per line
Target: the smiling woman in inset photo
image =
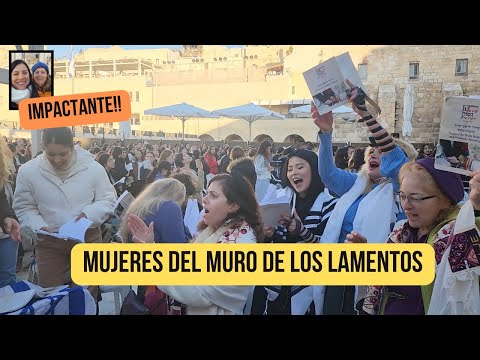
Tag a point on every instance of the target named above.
point(42, 79)
point(21, 83)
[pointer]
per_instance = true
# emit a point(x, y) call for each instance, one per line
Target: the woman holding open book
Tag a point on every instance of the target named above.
point(311, 206)
point(61, 184)
point(367, 199)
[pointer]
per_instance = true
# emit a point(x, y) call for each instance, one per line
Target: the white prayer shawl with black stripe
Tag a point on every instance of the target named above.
point(315, 221)
point(62, 301)
point(375, 217)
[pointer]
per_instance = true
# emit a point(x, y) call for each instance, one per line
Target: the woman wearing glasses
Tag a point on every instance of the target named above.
point(367, 202)
point(429, 198)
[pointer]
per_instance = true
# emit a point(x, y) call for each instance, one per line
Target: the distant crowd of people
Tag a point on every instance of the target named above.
point(387, 192)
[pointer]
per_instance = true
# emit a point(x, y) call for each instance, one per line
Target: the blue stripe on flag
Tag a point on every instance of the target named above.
point(29, 309)
point(20, 286)
point(76, 301)
point(54, 300)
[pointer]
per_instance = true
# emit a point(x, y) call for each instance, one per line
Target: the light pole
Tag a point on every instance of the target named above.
point(36, 135)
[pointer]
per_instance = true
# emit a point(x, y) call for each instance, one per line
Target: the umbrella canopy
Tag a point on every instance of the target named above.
point(249, 112)
point(181, 111)
point(407, 128)
point(341, 112)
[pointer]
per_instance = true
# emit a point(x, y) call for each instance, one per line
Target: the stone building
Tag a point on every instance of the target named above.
point(213, 77)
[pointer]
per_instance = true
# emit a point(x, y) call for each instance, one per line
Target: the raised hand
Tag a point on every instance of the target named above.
point(141, 233)
point(357, 99)
point(324, 122)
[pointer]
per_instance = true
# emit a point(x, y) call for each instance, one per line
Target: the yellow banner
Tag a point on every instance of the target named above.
point(253, 264)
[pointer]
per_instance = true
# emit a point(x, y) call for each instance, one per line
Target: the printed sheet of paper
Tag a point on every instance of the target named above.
point(458, 149)
point(121, 181)
point(327, 82)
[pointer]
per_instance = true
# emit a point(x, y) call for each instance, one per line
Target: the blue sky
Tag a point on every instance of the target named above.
point(60, 51)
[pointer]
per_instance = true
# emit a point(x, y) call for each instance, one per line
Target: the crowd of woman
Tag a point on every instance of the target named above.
point(386, 192)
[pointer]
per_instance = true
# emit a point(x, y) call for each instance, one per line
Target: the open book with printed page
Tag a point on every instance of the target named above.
point(71, 230)
point(274, 204)
point(328, 85)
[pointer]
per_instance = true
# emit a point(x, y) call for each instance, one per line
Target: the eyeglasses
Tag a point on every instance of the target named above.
point(112, 159)
point(412, 199)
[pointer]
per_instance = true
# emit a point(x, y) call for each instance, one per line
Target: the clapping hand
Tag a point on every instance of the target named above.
point(141, 233)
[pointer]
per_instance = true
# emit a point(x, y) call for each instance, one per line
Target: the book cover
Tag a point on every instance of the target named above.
point(328, 85)
point(458, 148)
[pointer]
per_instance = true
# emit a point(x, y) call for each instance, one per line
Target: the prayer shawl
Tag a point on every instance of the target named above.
point(456, 287)
point(210, 299)
point(303, 296)
point(375, 215)
point(456, 242)
point(61, 300)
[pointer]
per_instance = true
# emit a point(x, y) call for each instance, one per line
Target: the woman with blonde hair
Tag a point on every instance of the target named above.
point(367, 199)
point(160, 202)
point(159, 206)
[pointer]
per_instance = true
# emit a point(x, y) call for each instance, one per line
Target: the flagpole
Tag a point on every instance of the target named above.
point(71, 74)
point(36, 135)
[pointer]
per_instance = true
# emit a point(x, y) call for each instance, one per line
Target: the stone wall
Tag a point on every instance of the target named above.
point(388, 76)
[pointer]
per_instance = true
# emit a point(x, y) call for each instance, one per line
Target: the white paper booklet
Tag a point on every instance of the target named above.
point(124, 200)
point(327, 82)
point(121, 181)
point(71, 230)
point(458, 149)
point(274, 204)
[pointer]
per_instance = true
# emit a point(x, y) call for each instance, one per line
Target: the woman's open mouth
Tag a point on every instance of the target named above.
point(297, 180)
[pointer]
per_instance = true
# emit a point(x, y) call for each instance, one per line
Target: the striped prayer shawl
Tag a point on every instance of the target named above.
point(315, 221)
point(301, 297)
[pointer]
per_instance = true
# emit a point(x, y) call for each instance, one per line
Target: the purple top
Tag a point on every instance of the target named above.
point(168, 224)
point(406, 300)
